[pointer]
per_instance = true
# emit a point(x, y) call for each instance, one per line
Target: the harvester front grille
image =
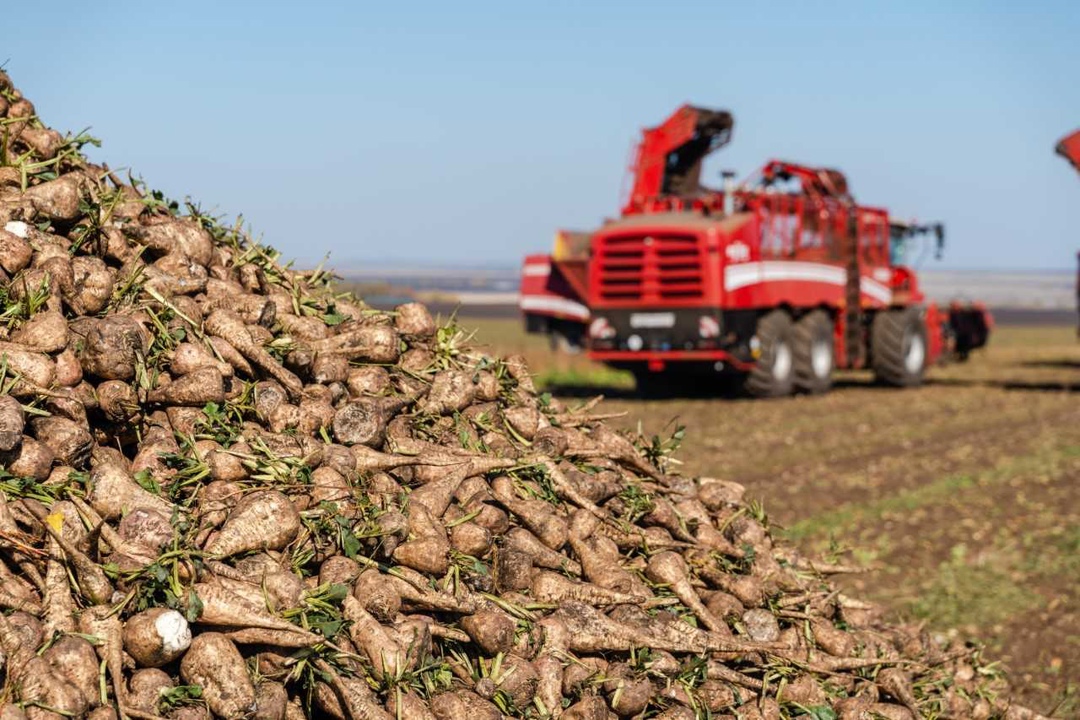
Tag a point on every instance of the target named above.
point(650, 268)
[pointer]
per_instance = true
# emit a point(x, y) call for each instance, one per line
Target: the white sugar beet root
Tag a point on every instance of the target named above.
point(156, 637)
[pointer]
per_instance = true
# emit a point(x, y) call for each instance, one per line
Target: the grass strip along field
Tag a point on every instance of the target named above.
point(960, 498)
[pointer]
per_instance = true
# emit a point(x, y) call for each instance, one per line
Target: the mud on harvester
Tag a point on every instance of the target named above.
point(775, 282)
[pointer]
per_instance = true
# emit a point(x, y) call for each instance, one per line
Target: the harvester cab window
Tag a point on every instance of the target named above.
point(897, 250)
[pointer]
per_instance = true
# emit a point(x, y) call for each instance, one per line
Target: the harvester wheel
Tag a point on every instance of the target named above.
point(813, 348)
point(898, 346)
point(774, 373)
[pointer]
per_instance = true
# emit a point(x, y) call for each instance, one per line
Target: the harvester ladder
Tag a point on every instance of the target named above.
point(853, 344)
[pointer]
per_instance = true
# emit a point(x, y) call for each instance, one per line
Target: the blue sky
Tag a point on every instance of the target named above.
point(466, 132)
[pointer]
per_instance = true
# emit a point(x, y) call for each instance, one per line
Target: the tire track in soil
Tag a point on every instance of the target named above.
point(912, 427)
point(828, 479)
point(800, 492)
point(1015, 488)
point(754, 442)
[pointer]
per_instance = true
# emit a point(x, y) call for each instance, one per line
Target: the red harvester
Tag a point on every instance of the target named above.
point(1069, 148)
point(776, 282)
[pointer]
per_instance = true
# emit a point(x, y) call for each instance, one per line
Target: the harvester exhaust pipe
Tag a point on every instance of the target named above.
point(729, 192)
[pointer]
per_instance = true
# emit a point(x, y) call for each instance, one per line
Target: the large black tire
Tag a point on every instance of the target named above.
point(898, 346)
point(814, 353)
point(774, 372)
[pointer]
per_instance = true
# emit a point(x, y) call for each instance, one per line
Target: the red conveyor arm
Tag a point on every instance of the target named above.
point(669, 156)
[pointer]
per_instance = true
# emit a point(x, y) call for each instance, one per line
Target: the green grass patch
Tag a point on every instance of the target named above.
point(599, 377)
point(978, 592)
point(1055, 554)
point(997, 583)
point(851, 515)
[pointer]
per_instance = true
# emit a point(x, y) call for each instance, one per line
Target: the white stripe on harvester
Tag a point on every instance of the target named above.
point(536, 270)
point(554, 304)
point(744, 274)
point(876, 290)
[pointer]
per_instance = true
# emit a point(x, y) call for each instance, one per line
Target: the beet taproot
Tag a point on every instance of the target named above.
point(215, 664)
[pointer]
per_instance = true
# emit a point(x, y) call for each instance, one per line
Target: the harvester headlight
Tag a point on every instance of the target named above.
point(634, 343)
point(601, 329)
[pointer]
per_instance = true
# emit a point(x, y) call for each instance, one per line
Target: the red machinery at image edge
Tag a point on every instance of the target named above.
point(1069, 148)
point(775, 282)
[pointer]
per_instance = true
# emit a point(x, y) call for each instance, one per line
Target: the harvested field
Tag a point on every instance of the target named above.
point(962, 496)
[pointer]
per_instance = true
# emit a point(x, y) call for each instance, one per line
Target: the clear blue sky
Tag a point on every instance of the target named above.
point(467, 132)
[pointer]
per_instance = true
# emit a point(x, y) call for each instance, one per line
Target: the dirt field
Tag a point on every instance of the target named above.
point(962, 497)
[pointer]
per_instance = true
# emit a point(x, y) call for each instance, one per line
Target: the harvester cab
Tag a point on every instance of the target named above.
point(901, 235)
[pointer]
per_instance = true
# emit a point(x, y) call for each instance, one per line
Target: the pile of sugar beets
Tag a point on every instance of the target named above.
point(228, 491)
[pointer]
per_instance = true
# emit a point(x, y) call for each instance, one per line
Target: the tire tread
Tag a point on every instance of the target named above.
point(809, 326)
point(887, 346)
point(760, 381)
